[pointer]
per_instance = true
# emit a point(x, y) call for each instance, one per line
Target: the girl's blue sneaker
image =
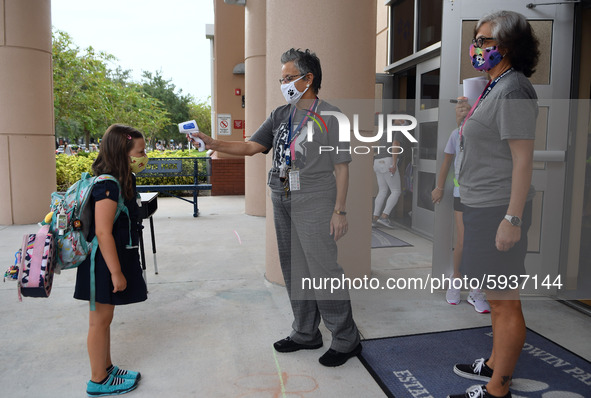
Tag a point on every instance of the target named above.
point(113, 386)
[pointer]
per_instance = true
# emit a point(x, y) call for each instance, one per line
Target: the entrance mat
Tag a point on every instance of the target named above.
point(421, 365)
point(381, 239)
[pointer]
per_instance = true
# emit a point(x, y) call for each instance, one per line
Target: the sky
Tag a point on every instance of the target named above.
point(145, 35)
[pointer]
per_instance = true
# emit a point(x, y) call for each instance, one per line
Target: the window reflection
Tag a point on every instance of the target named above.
point(402, 29)
point(428, 141)
point(430, 89)
point(430, 17)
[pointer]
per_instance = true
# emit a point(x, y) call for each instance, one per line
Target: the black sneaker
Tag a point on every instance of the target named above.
point(478, 392)
point(288, 345)
point(332, 358)
point(475, 371)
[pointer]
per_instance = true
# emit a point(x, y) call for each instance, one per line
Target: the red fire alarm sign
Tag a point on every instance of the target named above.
point(238, 124)
point(237, 91)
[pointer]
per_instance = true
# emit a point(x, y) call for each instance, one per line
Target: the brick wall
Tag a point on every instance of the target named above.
point(227, 177)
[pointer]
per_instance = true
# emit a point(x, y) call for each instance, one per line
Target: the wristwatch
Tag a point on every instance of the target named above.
point(514, 220)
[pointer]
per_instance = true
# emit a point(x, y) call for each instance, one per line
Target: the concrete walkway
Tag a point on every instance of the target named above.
point(211, 317)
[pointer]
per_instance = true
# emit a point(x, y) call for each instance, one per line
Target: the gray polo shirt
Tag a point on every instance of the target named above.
point(508, 112)
point(316, 168)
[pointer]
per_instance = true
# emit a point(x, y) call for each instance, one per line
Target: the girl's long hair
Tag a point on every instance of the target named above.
point(113, 157)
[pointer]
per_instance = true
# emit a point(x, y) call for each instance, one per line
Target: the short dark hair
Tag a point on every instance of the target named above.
point(513, 33)
point(306, 62)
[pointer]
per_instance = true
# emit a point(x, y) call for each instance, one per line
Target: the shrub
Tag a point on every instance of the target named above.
point(70, 167)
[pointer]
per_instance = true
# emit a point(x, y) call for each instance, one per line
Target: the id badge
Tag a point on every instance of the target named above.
point(294, 180)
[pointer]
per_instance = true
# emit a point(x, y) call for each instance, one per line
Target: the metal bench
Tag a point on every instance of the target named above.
point(175, 175)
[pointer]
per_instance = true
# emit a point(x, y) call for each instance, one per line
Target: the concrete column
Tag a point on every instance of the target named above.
point(228, 170)
point(27, 134)
point(255, 111)
point(343, 35)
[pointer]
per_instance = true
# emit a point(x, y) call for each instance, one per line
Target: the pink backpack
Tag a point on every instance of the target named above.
point(62, 243)
point(36, 261)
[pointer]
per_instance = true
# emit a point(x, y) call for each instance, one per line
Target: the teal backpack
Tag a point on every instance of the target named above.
point(70, 223)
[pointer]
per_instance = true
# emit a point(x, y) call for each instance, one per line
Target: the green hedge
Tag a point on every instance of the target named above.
point(70, 167)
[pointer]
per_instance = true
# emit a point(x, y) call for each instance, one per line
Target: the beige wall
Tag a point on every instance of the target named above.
point(256, 113)
point(382, 33)
point(228, 52)
point(27, 142)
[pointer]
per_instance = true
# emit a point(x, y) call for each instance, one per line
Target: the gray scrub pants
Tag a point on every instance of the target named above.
point(307, 250)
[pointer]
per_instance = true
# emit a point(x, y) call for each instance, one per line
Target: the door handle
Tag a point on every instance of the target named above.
point(549, 156)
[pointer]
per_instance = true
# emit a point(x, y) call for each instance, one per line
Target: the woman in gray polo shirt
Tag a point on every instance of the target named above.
point(496, 151)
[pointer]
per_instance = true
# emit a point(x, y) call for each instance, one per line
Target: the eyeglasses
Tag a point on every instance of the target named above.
point(289, 78)
point(479, 41)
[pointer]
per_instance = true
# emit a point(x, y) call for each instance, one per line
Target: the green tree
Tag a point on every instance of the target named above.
point(176, 104)
point(88, 96)
point(201, 113)
point(79, 81)
point(132, 106)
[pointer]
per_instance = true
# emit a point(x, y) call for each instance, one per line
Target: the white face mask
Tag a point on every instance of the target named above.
point(291, 93)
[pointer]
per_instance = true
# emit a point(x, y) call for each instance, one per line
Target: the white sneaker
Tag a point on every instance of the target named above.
point(385, 222)
point(476, 298)
point(374, 223)
point(452, 296)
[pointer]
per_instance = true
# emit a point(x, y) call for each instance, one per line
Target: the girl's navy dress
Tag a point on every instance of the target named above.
point(128, 258)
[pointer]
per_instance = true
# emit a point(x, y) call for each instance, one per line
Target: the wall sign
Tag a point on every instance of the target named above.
point(224, 122)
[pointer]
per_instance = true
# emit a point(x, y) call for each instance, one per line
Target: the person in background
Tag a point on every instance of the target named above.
point(385, 165)
point(452, 296)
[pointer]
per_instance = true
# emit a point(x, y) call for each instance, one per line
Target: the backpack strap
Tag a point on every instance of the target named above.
point(94, 245)
point(121, 208)
point(20, 260)
point(38, 247)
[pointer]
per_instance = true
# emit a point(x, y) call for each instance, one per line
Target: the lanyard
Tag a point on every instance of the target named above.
point(289, 141)
point(484, 94)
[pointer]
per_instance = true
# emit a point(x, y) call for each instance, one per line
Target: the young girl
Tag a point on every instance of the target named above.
point(118, 277)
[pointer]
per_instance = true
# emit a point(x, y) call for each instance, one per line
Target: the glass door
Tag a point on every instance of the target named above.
point(424, 154)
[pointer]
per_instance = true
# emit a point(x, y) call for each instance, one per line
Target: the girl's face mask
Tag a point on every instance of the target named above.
point(484, 59)
point(138, 164)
